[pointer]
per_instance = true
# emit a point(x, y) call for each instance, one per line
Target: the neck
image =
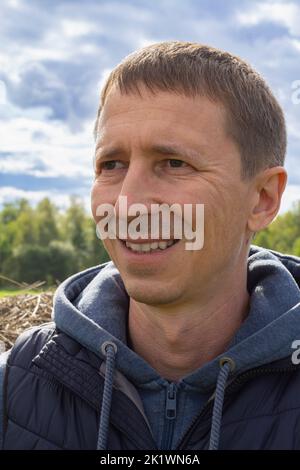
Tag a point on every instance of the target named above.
point(176, 340)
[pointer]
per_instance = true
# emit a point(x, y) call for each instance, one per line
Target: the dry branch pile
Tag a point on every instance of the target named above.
point(20, 312)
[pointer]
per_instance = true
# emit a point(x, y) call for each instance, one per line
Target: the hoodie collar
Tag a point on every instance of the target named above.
point(92, 307)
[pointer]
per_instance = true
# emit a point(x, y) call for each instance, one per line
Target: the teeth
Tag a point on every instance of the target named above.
point(154, 246)
point(133, 246)
point(147, 247)
point(162, 245)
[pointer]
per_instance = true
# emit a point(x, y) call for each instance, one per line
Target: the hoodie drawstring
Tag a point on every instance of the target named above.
point(109, 349)
point(227, 365)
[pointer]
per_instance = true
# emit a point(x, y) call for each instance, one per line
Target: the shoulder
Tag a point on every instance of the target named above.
point(29, 344)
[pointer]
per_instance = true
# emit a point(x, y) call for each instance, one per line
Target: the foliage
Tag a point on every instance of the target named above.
point(43, 243)
point(46, 244)
point(283, 234)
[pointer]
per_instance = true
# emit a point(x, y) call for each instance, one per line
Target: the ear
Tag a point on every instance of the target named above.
point(267, 192)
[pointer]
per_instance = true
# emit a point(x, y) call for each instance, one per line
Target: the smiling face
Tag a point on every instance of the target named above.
point(168, 148)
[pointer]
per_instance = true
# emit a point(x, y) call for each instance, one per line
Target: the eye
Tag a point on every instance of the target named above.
point(108, 166)
point(176, 163)
point(112, 165)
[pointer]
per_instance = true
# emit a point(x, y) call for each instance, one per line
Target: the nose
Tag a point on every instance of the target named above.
point(142, 194)
point(139, 186)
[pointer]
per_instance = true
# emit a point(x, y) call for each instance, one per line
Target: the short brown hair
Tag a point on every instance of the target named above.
point(254, 118)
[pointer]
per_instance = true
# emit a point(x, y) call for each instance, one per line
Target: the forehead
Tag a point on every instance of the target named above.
point(162, 112)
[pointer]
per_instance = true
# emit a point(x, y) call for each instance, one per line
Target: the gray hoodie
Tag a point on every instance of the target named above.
point(92, 307)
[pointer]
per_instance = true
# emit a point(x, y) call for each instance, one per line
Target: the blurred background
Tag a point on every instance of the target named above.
point(54, 58)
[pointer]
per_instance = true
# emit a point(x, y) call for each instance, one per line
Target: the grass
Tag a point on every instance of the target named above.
point(13, 292)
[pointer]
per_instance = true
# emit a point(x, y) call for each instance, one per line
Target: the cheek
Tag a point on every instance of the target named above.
point(95, 200)
point(224, 214)
point(100, 195)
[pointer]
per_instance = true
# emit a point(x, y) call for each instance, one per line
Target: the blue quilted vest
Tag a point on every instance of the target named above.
point(54, 388)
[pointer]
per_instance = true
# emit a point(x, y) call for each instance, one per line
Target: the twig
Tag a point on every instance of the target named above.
point(37, 306)
point(35, 285)
point(11, 280)
point(6, 340)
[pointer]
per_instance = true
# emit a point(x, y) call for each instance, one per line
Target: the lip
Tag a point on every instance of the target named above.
point(143, 240)
point(143, 257)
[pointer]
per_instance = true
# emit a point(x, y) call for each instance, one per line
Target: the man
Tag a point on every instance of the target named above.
point(164, 347)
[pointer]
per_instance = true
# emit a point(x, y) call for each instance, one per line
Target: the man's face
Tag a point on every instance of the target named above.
point(168, 148)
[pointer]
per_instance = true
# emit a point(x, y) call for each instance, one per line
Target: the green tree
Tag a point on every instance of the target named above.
point(282, 234)
point(74, 222)
point(29, 263)
point(46, 222)
point(96, 253)
point(25, 225)
point(62, 261)
point(296, 247)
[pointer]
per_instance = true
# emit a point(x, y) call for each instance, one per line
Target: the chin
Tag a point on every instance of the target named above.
point(151, 295)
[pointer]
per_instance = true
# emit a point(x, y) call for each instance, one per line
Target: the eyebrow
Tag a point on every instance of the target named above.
point(161, 149)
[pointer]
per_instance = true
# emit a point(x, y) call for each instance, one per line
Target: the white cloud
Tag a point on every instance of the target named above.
point(290, 195)
point(293, 124)
point(13, 164)
point(296, 44)
point(144, 42)
point(286, 14)
point(14, 3)
point(104, 76)
point(73, 42)
point(3, 96)
point(61, 152)
point(74, 28)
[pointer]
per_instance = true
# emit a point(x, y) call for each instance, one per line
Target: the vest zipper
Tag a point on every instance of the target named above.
point(232, 386)
point(170, 415)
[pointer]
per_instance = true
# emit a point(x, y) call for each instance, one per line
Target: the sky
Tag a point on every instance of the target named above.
point(56, 54)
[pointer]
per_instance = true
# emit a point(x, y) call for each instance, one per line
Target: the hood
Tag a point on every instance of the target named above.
point(92, 307)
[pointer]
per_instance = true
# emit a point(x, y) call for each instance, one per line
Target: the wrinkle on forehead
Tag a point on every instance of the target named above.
point(118, 103)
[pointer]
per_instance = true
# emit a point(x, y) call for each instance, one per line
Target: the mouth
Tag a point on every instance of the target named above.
point(142, 248)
